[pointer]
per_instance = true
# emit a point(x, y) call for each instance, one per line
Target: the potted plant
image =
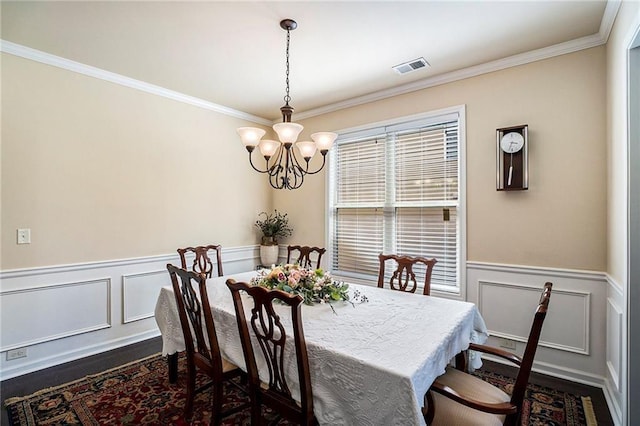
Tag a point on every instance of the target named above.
point(273, 226)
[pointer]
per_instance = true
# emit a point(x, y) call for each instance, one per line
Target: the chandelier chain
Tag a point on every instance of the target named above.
point(287, 98)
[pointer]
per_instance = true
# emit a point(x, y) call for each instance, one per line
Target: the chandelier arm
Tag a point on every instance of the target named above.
point(324, 160)
point(288, 166)
point(298, 164)
point(295, 175)
point(274, 176)
point(273, 181)
point(255, 168)
point(275, 173)
point(278, 157)
point(297, 182)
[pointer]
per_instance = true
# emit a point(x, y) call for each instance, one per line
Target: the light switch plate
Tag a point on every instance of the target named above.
point(24, 236)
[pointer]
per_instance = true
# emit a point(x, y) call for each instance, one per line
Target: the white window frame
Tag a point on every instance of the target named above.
point(453, 292)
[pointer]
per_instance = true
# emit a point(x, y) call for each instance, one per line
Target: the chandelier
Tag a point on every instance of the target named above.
point(282, 165)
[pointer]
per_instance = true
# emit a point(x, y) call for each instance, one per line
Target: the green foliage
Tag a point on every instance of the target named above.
point(274, 225)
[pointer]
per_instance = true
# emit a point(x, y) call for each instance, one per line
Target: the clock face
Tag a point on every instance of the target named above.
point(512, 142)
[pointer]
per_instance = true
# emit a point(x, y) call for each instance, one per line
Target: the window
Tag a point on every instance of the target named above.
point(396, 188)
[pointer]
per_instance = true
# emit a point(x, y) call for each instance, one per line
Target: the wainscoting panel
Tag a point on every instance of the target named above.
point(54, 312)
point(508, 322)
point(64, 312)
point(573, 341)
point(136, 288)
point(614, 337)
point(616, 350)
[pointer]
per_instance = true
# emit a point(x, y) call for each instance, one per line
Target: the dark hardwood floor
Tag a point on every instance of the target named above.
point(30, 383)
point(54, 376)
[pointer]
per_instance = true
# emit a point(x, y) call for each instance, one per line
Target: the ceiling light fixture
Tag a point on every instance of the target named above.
point(286, 171)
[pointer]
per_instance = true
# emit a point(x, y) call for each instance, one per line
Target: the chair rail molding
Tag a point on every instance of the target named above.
point(98, 306)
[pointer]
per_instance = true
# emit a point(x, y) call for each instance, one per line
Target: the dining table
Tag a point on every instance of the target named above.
point(371, 362)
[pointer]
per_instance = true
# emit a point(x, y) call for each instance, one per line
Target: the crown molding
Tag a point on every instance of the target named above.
point(69, 65)
point(608, 18)
point(587, 42)
point(571, 46)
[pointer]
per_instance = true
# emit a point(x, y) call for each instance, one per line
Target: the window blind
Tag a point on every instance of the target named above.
point(360, 173)
point(397, 191)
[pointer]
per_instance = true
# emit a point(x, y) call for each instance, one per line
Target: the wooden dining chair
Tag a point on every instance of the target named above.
point(201, 261)
point(273, 341)
point(460, 398)
point(404, 278)
point(202, 349)
point(305, 255)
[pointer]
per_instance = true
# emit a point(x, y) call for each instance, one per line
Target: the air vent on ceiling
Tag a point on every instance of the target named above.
point(416, 64)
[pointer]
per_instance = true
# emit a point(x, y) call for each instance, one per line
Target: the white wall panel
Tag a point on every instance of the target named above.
point(139, 294)
point(614, 337)
point(40, 314)
point(616, 350)
point(570, 311)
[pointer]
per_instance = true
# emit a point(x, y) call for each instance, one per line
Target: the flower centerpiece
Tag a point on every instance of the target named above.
point(315, 286)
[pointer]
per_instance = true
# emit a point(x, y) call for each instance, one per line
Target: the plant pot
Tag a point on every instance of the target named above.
point(269, 255)
point(269, 241)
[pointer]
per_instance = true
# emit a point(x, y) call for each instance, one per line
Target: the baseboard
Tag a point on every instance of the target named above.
point(564, 373)
point(612, 403)
point(73, 355)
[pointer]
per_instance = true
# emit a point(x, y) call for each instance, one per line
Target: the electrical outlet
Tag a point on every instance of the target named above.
point(16, 353)
point(507, 343)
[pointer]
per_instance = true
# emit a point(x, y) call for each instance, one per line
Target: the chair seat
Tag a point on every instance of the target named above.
point(450, 413)
point(228, 366)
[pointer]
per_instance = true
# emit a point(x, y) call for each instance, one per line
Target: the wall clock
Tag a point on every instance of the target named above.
point(512, 148)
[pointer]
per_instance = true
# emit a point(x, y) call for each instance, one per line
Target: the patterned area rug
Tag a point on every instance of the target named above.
point(139, 393)
point(546, 406)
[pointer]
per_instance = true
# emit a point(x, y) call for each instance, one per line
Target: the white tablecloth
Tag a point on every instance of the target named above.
point(370, 365)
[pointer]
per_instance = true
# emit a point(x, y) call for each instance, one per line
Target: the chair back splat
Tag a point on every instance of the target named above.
point(404, 277)
point(305, 255)
point(275, 344)
point(201, 261)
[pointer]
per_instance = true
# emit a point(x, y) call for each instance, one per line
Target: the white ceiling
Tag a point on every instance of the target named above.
point(233, 53)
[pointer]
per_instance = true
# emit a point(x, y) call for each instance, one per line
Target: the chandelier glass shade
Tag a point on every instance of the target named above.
point(282, 164)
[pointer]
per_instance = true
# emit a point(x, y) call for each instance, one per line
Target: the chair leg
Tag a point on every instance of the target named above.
point(191, 389)
point(512, 419)
point(256, 414)
point(216, 406)
point(428, 411)
point(461, 361)
point(172, 362)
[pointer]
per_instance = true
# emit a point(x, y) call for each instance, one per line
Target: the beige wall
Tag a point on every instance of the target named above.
point(91, 167)
point(561, 220)
point(99, 171)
